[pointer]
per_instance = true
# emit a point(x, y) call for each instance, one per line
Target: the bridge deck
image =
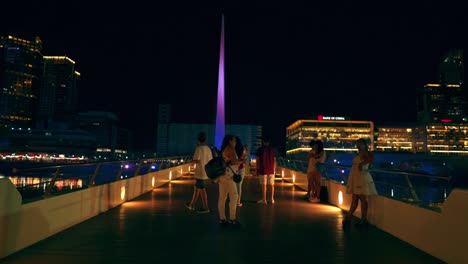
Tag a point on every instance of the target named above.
point(157, 228)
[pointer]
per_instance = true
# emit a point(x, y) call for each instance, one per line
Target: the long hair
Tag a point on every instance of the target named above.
point(319, 144)
point(226, 140)
point(239, 147)
point(364, 142)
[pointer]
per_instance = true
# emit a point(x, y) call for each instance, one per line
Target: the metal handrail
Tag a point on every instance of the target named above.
point(408, 178)
point(94, 175)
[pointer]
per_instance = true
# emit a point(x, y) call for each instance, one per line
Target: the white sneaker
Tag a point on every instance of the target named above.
point(203, 211)
point(262, 202)
point(272, 201)
point(189, 207)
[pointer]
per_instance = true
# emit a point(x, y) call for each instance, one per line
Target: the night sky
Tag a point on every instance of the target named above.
point(283, 63)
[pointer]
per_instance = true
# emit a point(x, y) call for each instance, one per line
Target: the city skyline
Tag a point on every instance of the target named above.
point(281, 64)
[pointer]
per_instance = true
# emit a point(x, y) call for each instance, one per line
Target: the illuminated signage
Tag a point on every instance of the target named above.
point(321, 117)
point(445, 120)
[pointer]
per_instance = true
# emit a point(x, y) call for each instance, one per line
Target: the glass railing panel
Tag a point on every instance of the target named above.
point(36, 182)
point(428, 191)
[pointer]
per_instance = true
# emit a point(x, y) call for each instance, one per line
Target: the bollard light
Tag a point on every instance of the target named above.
point(340, 198)
point(122, 193)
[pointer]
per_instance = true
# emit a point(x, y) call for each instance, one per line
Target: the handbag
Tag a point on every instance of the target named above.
point(236, 177)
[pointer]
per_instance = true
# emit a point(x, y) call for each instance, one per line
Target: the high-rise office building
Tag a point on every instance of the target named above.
point(445, 102)
point(20, 62)
point(451, 69)
point(58, 97)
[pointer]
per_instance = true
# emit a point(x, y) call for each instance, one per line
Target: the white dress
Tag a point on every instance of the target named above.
point(360, 181)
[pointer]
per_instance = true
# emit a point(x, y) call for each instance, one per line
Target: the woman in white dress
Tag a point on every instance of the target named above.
point(360, 182)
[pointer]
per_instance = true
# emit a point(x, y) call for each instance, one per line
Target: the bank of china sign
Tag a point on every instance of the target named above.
point(330, 118)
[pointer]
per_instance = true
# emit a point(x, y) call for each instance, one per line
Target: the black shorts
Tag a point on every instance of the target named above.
point(200, 184)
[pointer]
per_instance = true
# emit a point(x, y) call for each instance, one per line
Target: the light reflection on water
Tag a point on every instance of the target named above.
point(41, 183)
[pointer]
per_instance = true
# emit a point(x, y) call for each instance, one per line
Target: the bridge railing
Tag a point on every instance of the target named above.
point(428, 191)
point(37, 183)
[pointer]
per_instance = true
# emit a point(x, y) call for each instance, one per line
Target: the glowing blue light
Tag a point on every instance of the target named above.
point(219, 130)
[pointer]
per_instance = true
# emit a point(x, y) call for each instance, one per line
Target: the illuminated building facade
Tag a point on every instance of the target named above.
point(445, 102)
point(336, 133)
point(396, 138)
point(447, 138)
point(20, 62)
point(58, 98)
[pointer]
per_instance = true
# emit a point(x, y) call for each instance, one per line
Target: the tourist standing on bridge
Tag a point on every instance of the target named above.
point(241, 151)
point(316, 159)
point(360, 183)
point(266, 166)
point(201, 156)
point(227, 186)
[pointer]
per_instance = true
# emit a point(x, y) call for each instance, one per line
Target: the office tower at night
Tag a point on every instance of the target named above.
point(442, 109)
point(20, 62)
point(58, 97)
point(451, 69)
point(445, 102)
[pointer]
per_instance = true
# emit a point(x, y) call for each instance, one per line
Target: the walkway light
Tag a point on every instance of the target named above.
point(152, 182)
point(340, 198)
point(122, 193)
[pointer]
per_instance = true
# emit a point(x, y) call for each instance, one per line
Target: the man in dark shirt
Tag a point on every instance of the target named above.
point(266, 165)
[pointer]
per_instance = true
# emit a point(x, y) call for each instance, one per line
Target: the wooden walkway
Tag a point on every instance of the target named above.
point(157, 228)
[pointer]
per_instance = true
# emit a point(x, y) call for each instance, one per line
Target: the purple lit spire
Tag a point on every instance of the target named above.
point(219, 130)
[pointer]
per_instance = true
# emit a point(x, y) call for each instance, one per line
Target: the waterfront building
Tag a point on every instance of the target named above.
point(20, 63)
point(337, 133)
point(446, 138)
point(50, 142)
point(395, 138)
point(58, 97)
point(112, 141)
